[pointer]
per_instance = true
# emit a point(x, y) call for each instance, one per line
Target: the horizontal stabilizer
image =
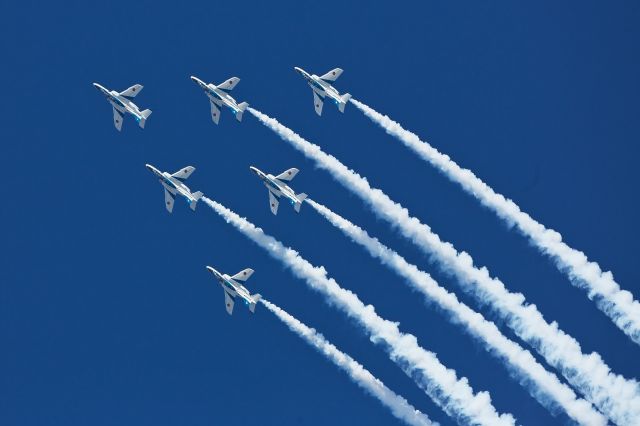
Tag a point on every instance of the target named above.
point(241, 107)
point(229, 84)
point(143, 120)
point(184, 173)
point(196, 197)
point(288, 175)
point(332, 75)
point(343, 101)
point(243, 275)
point(256, 298)
point(301, 198)
point(132, 91)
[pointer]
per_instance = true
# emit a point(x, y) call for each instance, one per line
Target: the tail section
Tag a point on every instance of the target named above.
point(242, 106)
point(343, 101)
point(145, 114)
point(196, 197)
point(301, 198)
point(256, 298)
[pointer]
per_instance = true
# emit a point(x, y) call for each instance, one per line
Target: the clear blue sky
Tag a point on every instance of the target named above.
point(107, 314)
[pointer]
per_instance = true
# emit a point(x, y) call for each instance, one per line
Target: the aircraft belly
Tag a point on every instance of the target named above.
point(215, 99)
point(229, 290)
point(232, 106)
point(117, 106)
point(273, 189)
point(320, 92)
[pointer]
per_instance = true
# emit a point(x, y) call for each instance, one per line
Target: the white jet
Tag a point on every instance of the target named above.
point(278, 188)
point(218, 97)
point(233, 289)
point(321, 89)
point(173, 185)
point(122, 104)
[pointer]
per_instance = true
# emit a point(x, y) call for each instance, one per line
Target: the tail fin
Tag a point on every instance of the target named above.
point(145, 114)
point(256, 298)
point(242, 106)
point(301, 198)
point(343, 101)
point(196, 197)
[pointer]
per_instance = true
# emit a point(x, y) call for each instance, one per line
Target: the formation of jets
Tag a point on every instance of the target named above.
point(277, 186)
point(122, 102)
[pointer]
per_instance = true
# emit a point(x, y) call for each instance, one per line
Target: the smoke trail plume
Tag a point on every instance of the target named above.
point(542, 385)
point(617, 304)
point(441, 384)
point(614, 395)
point(399, 406)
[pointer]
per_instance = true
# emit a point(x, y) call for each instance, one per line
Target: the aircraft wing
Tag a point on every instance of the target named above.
point(288, 175)
point(243, 275)
point(184, 173)
point(317, 102)
point(215, 113)
point(229, 84)
point(273, 203)
point(132, 91)
point(168, 200)
point(332, 75)
point(228, 301)
point(117, 119)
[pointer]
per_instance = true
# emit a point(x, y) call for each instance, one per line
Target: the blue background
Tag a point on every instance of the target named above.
point(107, 314)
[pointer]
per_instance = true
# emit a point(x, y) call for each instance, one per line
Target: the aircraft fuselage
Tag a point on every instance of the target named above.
point(218, 96)
point(321, 87)
point(276, 187)
point(120, 103)
point(232, 287)
point(172, 184)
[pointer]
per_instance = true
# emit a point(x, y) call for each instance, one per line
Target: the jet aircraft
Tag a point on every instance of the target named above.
point(122, 103)
point(173, 185)
point(218, 97)
point(233, 289)
point(278, 188)
point(321, 89)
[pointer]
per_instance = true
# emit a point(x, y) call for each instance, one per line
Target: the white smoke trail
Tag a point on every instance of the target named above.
point(441, 384)
point(600, 286)
point(615, 396)
point(360, 375)
point(543, 386)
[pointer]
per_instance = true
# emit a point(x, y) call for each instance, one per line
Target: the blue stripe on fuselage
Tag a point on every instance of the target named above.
point(316, 84)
